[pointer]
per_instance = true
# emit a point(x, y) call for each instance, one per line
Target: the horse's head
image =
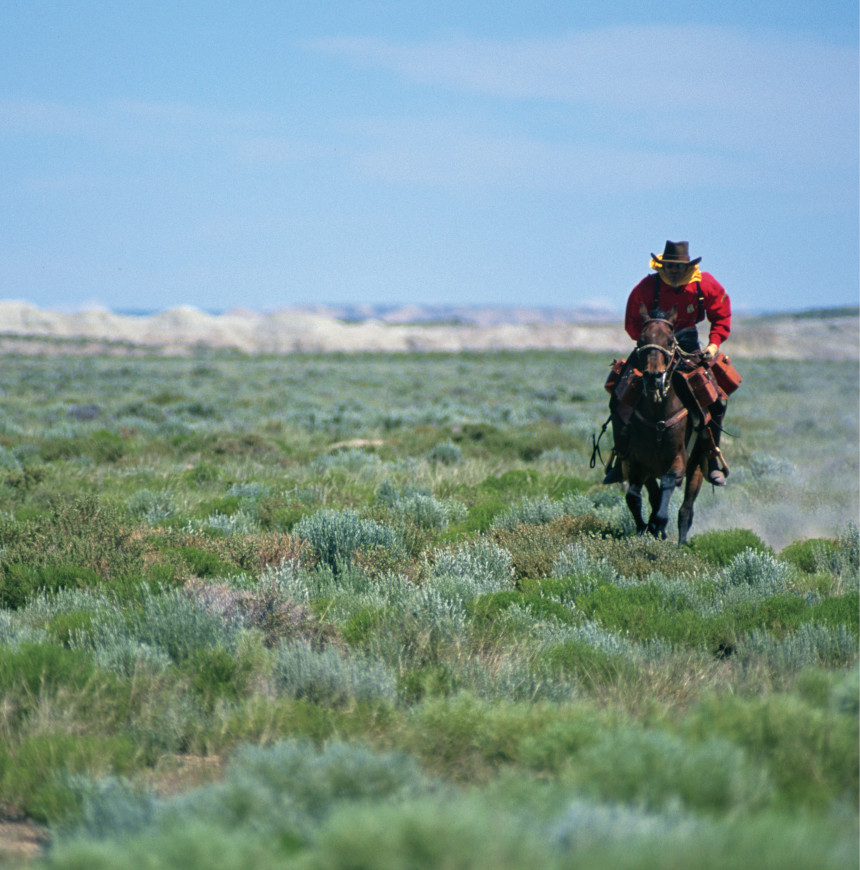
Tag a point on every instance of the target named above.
point(656, 351)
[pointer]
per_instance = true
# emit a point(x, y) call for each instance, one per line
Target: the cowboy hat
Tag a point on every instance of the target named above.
point(676, 252)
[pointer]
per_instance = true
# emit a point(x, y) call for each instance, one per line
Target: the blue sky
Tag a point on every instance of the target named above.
point(263, 154)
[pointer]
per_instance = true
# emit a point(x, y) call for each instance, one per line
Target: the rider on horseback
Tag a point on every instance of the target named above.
point(678, 283)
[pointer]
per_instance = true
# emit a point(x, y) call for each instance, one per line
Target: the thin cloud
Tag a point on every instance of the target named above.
point(452, 153)
point(751, 90)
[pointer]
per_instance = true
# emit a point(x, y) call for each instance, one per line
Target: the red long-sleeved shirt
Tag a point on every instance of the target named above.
point(717, 306)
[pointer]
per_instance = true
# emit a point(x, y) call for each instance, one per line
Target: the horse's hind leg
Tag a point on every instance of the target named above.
point(634, 502)
point(685, 514)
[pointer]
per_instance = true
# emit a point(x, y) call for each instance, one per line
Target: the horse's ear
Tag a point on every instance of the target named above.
point(672, 316)
point(643, 311)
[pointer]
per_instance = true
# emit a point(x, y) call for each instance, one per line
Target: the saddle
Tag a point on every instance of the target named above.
point(699, 384)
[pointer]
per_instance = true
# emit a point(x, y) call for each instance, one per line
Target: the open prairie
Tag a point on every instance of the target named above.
point(375, 610)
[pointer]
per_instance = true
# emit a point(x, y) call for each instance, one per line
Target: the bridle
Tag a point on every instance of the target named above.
point(657, 383)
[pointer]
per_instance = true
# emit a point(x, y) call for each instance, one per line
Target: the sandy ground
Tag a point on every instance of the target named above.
point(26, 329)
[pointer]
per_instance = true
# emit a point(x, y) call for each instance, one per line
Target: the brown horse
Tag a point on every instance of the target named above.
point(665, 447)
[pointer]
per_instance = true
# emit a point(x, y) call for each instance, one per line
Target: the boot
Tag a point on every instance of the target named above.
point(715, 472)
point(614, 469)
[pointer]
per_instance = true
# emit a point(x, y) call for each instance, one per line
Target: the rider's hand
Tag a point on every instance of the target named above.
point(710, 352)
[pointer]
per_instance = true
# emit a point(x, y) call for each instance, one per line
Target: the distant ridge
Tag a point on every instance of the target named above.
point(319, 329)
point(476, 315)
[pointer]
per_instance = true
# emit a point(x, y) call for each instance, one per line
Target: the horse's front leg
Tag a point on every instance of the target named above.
point(634, 503)
point(659, 518)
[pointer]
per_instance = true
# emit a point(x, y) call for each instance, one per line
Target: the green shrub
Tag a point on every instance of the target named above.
point(32, 771)
point(170, 623)
point(446, 453)
point(65, 627)
point(757, 573)
point(217, 674)
point(480, 517)
point(225, 504)
point(337, 535)
point(471, 569)
point(154, 507)
point(530, 511)
point(20, 581)
point(203, 563)
point(718, 548)
point(203, 472)
point(588, 664)
point(488, 609)
point(562, 485)
point(327, 676)
point(653, 769)
point(55, 449)
point(192, 846)
point(642, 612)
point(651, 610)
point(534, 549)
point(554, 746)
point(514, 482)
point(100, 446)
point(279, 795)
point(813, 554)
point(639, 558)
point(111, 807)
point(428, 680)
point(77, 542)
point(810, 645)
point(284, 791)
point(105, 446)
point(418, 506)
point(845, 696)
point(367, 621)
point(466, 738)
point(596, 836)
point(575, 562)
point(428, 834)
point(36, 667)
point(810, 753)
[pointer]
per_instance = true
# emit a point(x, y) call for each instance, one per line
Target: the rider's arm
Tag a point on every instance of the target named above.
point(718, 308)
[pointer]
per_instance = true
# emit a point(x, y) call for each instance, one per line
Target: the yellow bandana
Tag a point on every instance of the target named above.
point(692, 274)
